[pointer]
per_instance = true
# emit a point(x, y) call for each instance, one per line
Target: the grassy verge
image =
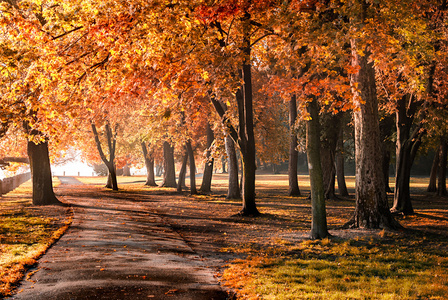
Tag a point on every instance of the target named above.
point(352, 269)
point(26, 232)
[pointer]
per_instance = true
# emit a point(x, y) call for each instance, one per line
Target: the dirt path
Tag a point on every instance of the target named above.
point(117, 248)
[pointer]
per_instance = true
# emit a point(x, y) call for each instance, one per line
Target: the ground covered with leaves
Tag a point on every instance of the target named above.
point(26, 232)
point(271, 256)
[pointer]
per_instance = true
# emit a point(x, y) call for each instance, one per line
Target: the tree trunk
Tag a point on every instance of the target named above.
point(319, 219)
point(110, 163)
point(372, 208)
point(233, 191)
point(223, 163)
point(441, 183)
point(432, 186)
point(342, 187)
point(245, 133)
point(149, 164)
point(126, 170)
point(208, 168)
point(183, 171)
point(293, 154)
point(331, 124)
point(406, 148)
point(192, 164)
point(43, 193)
point(385, 167)
point(169, 174)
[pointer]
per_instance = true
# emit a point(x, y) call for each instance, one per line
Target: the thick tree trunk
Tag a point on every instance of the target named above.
point(432, 186)
point(293, 154)
point(208, 168)
point(110, 163)
point(441, 182)
point(340, 172)
point(149, 164)
point(372, 208)
point(43, 193)
point(182, 172)
point(126, 170)
point(192, 164)
point(169, 174)
point(233, 191)
point(319, 218)
point(386, 125)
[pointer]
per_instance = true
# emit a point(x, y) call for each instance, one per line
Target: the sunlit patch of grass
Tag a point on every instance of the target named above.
point(351, 269)
point(24, 236)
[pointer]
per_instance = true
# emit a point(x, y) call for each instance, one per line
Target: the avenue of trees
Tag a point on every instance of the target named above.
point(196, 81)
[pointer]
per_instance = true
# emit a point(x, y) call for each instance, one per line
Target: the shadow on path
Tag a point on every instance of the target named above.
point(118, 249)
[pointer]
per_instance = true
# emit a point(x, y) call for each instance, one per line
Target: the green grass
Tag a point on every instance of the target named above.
point(343, 270)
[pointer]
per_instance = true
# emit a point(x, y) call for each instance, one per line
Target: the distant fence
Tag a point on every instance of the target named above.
point(10, 183)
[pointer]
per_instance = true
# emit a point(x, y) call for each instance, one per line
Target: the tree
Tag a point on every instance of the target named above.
point(169, 175)
point(149, 164)
point(293, 153)
point(208, 168)
point(111, 139)
point(372, 208)
point(319, 221)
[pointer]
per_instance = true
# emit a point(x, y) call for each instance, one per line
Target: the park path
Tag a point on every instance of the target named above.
point(117, 248)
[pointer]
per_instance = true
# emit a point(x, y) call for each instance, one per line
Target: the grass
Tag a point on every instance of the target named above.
point(25, 235)
point(331, 269)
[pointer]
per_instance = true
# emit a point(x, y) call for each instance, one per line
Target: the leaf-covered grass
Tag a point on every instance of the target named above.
point(336, 269)
point(26, 233)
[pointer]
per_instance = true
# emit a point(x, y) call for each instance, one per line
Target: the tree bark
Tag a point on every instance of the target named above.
point(208, 168)
point(293, 153)
point(372, 208)
point(406, 149)
point(182, 172)
point(223, 163)
point(39, 159)
point(441, 182)
point(149, 164)
point(432, 186)
point(192, 164)
point(110, 163)
point(342, 187)
point(319, 219)
point(331, 124)
point(233, 191)
point(169, 174)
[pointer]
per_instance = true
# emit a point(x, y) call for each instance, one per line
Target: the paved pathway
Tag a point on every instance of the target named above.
point(117, 249)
